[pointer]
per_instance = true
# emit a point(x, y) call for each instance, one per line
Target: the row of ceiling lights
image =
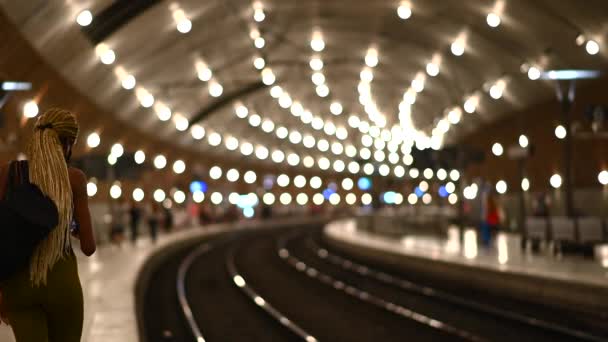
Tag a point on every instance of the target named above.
point(457, 48)
point(318, 45)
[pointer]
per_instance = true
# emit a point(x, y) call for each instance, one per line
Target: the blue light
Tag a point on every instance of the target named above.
point(268, 182)
point(364, 183)
point(419, 192)
point(389, 197)
point(248, 212)
point(570, 74)
point(198, 186)
point(247, 201)
point(328, 192)
point(443, 192)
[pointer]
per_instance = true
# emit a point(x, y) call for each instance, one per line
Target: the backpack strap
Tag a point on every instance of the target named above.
point(10, 179)
point(18, 174)
point(24, 172)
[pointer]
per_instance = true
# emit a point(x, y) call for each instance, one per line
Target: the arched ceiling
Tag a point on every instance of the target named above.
point(147, 45)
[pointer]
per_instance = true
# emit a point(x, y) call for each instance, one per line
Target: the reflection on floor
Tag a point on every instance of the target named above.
point(505, 253)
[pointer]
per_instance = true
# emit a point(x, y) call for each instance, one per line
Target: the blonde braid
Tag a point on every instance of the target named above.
point(49, 171)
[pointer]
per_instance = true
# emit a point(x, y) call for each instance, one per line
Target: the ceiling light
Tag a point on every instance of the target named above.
point(432, 69)
point(128, 82)
point(215, 172)
point(276, 91)
point(501, 187)
point(285, 101)
point(534, 73)
point(146, 99)
point(592, 47)
point(523, 141)
point(250, 177)
point(454, 116)
point(214, 139)
point(160, 162)
point(308, 162)
point(409, 97)
point(84, 18)
point(203, 72)
point(261, 152)
point(93, 140)
point(215, 89)
point(296, 108)
point(293, 159)
point(336, 108)
point(496, 91)
point(138, 195)
point(316, 64)
point(525, 184)
point(322, 90)
point(246, 149)
point(470, 105)
point(259, 42)
point(277, 156)
point(366, 75)
point(418, 83)
point(30, 109)
point(232, 175)
point(216, 198)
point(268, 77)
point(232, 143)
point(140, 157)
point(162, 111)
point(404, 11)
point(259, 63)
point(371, 59)
point(106, 54)
point(493, 20)
point(497, 149)
point(115, 191)
point(198, 132)
point(117, 150)
point(318, 78)
point(560, 132)
point(317, 43)
point(181, 123)
point(556, 181)
point(179, 167)
point(184, 25)
point(457, 48)
point(259, 15)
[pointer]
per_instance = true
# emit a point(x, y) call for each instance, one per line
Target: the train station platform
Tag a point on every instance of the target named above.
point(503, 268)
point(110, 279)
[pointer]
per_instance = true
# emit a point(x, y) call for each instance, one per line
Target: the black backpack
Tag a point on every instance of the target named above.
point(27, 217)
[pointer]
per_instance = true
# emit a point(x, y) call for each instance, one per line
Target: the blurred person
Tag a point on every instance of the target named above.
point(168, 220)
point(134, 219)
point(491, 220)
point(266, 211)
point(117, 230)
point(154, 218)
point(44, 301)
point(541, 205)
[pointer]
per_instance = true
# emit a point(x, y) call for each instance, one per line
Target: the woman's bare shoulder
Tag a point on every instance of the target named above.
point(77, 176)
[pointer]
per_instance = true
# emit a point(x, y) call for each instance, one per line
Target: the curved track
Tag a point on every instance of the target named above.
point(285, 285)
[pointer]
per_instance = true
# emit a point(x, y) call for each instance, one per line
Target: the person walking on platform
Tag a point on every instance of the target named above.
point(490, 224)
point(42, 300)
point(154, 219)
point(134, 218)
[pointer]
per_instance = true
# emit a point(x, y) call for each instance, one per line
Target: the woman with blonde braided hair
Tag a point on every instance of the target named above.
point(44, 303)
